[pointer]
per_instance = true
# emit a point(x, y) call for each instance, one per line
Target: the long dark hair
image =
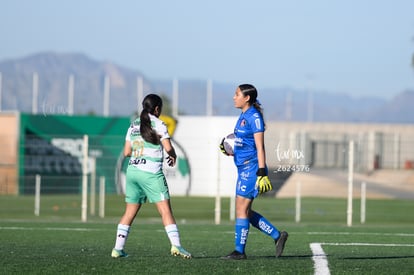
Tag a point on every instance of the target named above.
point(250, 90)
point(149, 104)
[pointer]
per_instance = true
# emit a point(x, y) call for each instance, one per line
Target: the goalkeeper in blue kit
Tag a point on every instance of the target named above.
point(250, 160)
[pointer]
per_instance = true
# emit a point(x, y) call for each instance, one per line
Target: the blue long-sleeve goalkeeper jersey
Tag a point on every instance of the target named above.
point(249, 123)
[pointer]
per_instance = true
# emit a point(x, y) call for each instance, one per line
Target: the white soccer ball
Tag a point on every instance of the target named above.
point(229, 144)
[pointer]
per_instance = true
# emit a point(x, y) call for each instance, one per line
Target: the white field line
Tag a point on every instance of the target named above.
point(362, 233)
point(48, 228)
point(368, 244)
point(320, 260)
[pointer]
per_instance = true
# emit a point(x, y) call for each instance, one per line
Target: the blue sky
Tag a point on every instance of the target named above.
point(360, 48)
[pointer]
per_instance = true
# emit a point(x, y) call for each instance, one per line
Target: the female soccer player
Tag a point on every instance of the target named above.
point(250, 160)
point(145, 141)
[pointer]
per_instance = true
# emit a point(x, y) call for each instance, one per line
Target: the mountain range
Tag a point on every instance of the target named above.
point(53, 71)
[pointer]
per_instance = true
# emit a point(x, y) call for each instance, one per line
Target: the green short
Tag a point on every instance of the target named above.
point(142, 186)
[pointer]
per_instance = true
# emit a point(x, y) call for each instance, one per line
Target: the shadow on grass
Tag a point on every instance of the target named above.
point(377, 258)
point(288, 257)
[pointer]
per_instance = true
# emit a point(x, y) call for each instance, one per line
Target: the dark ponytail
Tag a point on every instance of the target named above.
point(149, 105)
point(250, 90)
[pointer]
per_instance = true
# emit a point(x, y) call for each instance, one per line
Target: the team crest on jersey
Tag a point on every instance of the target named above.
point(243, 122)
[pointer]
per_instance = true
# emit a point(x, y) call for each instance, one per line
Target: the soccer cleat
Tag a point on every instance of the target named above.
point(180, 251)
point(118, 253)
point(280, 243)
point(235, 255)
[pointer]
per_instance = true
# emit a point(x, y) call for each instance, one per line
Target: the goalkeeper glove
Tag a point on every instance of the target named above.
point(263, 184)
point(222, 147)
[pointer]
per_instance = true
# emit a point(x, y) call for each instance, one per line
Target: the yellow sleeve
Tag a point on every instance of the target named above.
point(170, 122)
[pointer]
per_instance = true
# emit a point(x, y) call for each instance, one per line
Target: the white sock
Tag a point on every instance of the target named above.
point(121, 236)
point(173, 234)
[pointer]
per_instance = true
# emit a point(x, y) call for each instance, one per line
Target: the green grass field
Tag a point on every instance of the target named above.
point(57, 242)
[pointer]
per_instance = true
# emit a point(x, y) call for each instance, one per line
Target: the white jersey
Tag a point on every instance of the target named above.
point(145, 155)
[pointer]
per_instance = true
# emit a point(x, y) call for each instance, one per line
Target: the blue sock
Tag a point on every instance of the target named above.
point(241, 233)
point(264, 225)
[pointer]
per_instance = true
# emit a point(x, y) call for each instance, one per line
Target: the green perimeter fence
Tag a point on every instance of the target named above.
point(202, 209)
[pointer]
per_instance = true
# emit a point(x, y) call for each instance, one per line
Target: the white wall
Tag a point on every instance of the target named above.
point(211, 171)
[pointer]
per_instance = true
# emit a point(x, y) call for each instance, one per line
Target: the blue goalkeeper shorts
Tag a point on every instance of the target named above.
point(246, 180)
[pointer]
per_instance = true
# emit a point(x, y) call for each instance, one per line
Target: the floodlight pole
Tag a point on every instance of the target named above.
point(106, 98)
point(35, 91)
point(71, 89)
point(363, 201)
point(102, 197)
point(397, 150)
point(350, 181)
point(92, 191)
point(37, 196)
point(298, 201)
point(217, 208)
point(85, 179)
